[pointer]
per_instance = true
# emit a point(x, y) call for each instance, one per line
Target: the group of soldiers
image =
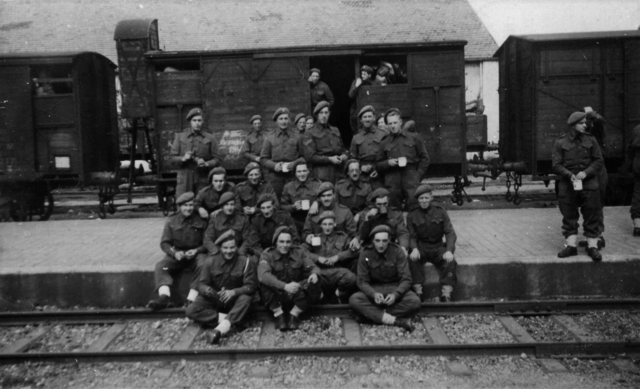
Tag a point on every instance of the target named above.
point(313, 223)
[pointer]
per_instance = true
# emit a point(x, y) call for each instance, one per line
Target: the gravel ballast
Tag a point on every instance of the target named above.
point(379, 335)
point(609, 326)
point(68, 338)
point(465, 329)
point(319, 331)
point(150, 335)
point(544, 329)
point(247, 338)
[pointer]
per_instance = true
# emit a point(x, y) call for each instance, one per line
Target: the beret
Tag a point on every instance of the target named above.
point(280, 111)
point(410, 126)
point(325, 186)
point(263, 198)
point(255, 117)
point(216, 170)
point(326, 215)
point(185, 198)
point(576, 117)
point(365, 109)
point(251, 166)
point(422, 189)
point(225, 198)
point(314, 70)
point(224, 237)
point(387, 64)
point(391, 110)
point(366, 68)
point(376, 194)
point(298, 117)
point(321, 105)
point(194, 112)
point(279, 231)
point(349, 162)
point(380, 228)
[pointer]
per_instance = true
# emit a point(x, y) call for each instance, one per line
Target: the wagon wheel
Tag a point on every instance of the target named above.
point(18, 211)
point(44, 209)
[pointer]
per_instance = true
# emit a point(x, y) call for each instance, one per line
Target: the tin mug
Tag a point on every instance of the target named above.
point(577, 184)
point(315, 241)
point(402, 161)
point(305, 205)
point(285, 167)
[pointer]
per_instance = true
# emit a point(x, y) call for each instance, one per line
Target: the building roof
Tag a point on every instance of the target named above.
point(76, 25)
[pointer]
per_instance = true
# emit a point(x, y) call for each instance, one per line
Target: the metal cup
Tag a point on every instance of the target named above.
point(305, 205)
point(315, 241)
point(577, 184)
point(285, 167)
point(402, 161)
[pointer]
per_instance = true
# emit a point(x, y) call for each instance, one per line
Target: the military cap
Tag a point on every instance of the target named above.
point(216, 170)
point(576, 117)
point(263, 198)
point(365, 109)
point(410, 126)
point(185, 198)
point(254, 118)
point(326, 215)
point(387, 64)
point(321, 105)
point(314, 70)
point(366, 68)
point(251, 166)
point(194, 112)
point(391, 110)
point(422, 189)
point(380, 228)
point(225, 198)
point(298, 117)
point(325, 186)
point(280, 111)
point(349, 162)
point(376, 194)
point(280, 230)
point(225, 237)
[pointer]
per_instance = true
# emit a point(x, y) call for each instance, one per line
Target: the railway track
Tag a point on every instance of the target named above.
point(433, 337)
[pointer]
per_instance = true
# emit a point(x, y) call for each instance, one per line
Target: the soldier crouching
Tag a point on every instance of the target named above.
point(287, 277)
point(384, 281)
point(226, 285)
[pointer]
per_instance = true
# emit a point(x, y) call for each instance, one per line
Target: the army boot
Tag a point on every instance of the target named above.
point(636, 227)
point(570, 248)
point(163, 302)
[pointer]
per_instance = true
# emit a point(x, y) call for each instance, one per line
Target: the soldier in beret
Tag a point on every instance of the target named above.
point(577, 160)
point(195, 152)
point(384, 281)
point(226, 285)
point(252, 146)
point(248, 192)
point(319, 91)
point(207, 199)
point(365, 146)
point(427, 225)
point(182, 242)
point(352, 192)
point(364, 80)
point(265, 223)
point(632, 163)
point(300, 123)
point(299, 194)
point(310, 122)
point(323, 147)
point(379, 212)
point(331, 253)
point(287, 277)
point(281, 150)
point(404, 161)
point(229, 218)
point(595, 127)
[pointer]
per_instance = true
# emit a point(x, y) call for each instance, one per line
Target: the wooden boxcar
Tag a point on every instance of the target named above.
point(57, 124)
point(544, 78)
point(231, 86)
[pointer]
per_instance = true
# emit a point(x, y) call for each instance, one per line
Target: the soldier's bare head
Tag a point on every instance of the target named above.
point(328, 225)
point(302, 172)
point(267, 209)
point(381, 241)
point(354, 170)
point(314, 78)
point(229, 207)
point(394, 122)
point(283, 243)
point(310, 122)
point(218, 181)
point(382, 202)
point(229, 247)
point(186, 209)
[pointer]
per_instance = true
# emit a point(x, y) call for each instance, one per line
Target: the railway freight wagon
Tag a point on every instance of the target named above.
point(232, 86)
point(544, 78)
point(57, 125)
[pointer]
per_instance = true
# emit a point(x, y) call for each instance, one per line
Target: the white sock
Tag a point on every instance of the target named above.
point(224, 326)
point(192, 295)
point(221, 317)
point(388, 319)
point(446, 290)
point(277, 312)
point(296, 311)
point(592, 242)
point(572, 240)
point(417, 288)
point(164, 290)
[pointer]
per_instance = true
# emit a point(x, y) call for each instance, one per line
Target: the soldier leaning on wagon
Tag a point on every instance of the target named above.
point(595, 127)
point(364, 80)
point(300, 123)
point(352, 192)
point(377, 213)
point(365, 146)
point(281, 150)
point(577, 160)
point(384, 281)
point(319, 91)
point(632, 163)
point(252, 146)
point(182, 242)
point(299, 193)
point(226, 285)
point(331, 253)
point(207, 199)
point(248, 192)
point(323, 147)
point(427, 225)
point(225, 219)
point(265, 223)
point(403, 159)
point(287, 277)
point(196, 152)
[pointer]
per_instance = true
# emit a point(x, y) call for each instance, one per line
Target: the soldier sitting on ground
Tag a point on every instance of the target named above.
point(225, 219)
point(207, 199)
point(288, 277)
point(248, 192)
point(226, 285)
point(182, 239)
point(267, 221)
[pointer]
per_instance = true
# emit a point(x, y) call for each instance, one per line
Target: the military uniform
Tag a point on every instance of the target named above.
point(353, 95)
point(365, 147)
point(276, 270)
point(384, 273)
point(247, 194)
point(344, 221)
point(341, 275)
point(320, 92)
point(280, 146)
point(295, 190)
point(221, 223)
point(393, 218)
point(218, 273)
point(352, 195)
point(208, 197)
point(192, 177)
point(633, 158)
point(252, 146)
point(263, 229)
point(426, 229)
point(403, 181)
point(320, 143)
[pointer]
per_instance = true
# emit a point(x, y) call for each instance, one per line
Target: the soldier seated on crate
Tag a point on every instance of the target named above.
point(288, 277)
point(252, 146)
point(225, 219)
point(331, 253)
point(352, 192)
point(207, 199)
point(226, 285)
point(268, 220)
point(182, 242)
point(377, 213)
point(384, 281)
point(248, 192)
point(299, 194)
point(428, 224)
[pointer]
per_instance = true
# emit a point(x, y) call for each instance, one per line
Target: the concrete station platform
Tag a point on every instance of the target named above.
point(502, 254)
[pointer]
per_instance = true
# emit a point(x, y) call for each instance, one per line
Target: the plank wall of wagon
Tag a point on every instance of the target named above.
point(571, 60)
point(632, 84)
point(178, 88)
point(385, 97)
point(437, 69)
point(58, 142)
